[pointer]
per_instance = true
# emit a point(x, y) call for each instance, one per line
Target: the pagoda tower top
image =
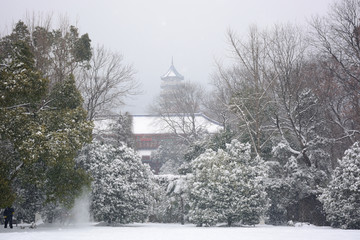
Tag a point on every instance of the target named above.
point(172, 74)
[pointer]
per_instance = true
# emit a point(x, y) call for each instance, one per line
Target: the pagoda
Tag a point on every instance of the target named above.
point(171, 79)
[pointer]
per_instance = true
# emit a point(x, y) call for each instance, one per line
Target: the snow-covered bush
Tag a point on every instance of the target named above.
point(227, 186)
point(171, 200)
point(341, 198)
point(293, 187)
point(122, 186)
point(170, 155)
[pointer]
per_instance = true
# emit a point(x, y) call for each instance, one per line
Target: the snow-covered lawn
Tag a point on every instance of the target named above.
point(178, 232)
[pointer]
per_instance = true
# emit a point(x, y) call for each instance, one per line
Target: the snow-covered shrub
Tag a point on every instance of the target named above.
point(227, 186)
point(122, 186)
point(170, 155)
point(171, 204)
point(341, 198)
point(279, 193)
point(292, 188)
point(122, 132)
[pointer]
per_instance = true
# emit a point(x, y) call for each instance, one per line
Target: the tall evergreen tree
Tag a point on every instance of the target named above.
point(21, 88)
point(43, 129)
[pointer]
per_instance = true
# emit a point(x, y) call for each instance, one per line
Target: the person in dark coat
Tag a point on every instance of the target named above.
point(8, 216)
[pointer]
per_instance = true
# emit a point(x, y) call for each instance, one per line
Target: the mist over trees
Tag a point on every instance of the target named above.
point(293, 94)
point(289, 104)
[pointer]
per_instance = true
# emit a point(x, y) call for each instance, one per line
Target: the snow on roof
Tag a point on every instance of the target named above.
point(155, 124)
point(150, 124)
point(144, 152)
point(172, 73)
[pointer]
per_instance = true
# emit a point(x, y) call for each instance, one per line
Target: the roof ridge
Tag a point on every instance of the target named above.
point(172, 72)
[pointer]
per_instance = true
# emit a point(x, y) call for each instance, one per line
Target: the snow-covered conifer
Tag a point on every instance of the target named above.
point(291, 185)
point(122, 132)
point(42, 126)
point(122, 185)
point(227, 186)
point(171, 199)
point(341, 198)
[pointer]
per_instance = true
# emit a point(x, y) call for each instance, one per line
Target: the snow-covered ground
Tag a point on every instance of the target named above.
point(178, 232)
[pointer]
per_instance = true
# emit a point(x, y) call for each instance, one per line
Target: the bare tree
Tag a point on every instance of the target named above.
point(216, 107)
point(296, 104)
point(332, 99)
point(179, 107)
point(337, 40)
point(269, 90)
point(248, 85)
point(338, 35)
point(107, 82)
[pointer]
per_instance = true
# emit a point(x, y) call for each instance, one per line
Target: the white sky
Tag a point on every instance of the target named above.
point(149, 32)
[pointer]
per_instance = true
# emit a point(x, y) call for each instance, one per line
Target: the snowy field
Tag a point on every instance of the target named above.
point(178, 232)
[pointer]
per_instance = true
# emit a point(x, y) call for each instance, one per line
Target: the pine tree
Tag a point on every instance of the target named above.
point(122, 131)
point(122, 185)
point(21, 88)
point(341, 197)
point(202, 206)
point(44, 129)
point(49, 173)
point(171, 205)
point(227, 186)
point(66, 132)
point(293, 187)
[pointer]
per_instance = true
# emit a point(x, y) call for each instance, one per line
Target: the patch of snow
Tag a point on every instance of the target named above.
point(144, 152)
point(149, 124)
point(152, 231)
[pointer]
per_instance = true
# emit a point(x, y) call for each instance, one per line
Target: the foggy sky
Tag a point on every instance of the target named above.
point(150, 32)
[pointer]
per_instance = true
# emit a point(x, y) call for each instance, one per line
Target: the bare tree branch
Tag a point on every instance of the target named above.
point(107, 82)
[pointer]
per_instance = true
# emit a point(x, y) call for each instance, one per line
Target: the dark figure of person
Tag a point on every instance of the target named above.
point(8, 216)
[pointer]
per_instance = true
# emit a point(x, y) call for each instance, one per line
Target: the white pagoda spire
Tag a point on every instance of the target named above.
point(172, 74)
point(171, 80)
